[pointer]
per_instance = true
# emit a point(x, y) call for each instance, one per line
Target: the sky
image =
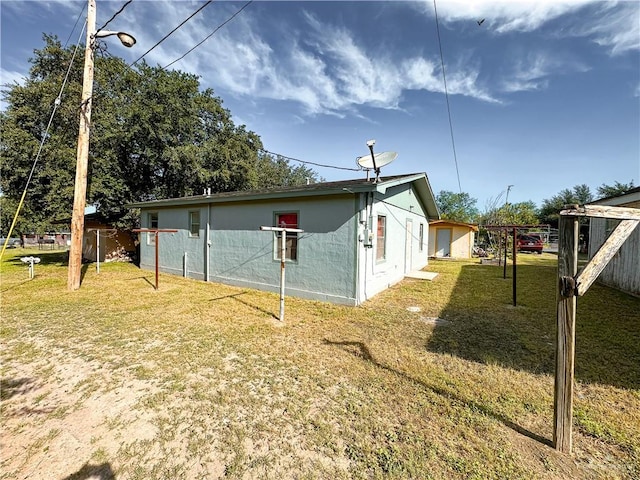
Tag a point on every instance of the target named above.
point(543, 95)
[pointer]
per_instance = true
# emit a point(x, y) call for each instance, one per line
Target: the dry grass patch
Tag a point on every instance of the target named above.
point(199, 380)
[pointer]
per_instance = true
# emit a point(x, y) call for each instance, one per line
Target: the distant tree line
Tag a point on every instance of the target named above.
point(461, 207)
point(154, 134)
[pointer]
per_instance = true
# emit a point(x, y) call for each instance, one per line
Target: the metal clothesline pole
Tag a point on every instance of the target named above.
point(98, 230)
point(155, 231)
point(283, 249)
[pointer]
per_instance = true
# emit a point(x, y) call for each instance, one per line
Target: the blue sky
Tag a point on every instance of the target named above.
point(544, 95)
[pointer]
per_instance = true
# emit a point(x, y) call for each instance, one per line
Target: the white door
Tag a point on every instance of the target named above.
point(443, 242)
point(408, 247)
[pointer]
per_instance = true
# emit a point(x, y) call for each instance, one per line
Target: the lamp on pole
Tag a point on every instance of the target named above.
point(80, 186)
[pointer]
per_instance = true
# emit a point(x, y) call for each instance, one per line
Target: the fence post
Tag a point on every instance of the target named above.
point(565, 337)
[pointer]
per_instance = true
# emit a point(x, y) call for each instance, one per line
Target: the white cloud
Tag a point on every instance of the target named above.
point(617, 29)
point(11, 76)
point(504, 16)
point(326, 69)
point(533, 71)
point(7, 78)
point(616, 25)
point(328, 73)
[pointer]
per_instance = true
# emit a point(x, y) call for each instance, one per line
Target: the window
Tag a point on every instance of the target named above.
point(381, 238)
point(421, 237)
point(287, 220)
point(194, 224)
point(152, 220)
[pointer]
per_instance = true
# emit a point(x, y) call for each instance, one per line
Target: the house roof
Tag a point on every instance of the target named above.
point(471, 226)
point(419, 181)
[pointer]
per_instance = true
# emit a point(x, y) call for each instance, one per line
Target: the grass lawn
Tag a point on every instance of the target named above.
point(200, 380)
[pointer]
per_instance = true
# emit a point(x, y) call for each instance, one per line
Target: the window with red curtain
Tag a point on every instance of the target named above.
point(381, 253)
point(287, 220)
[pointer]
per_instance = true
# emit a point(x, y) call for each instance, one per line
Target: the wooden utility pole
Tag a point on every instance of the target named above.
point(80, 188)
point(570, 285)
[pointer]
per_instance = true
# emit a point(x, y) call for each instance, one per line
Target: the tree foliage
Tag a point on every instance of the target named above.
point(550, 210)
point(459, 207)
point(521, 213)
point(154, 134)
point(605, 191)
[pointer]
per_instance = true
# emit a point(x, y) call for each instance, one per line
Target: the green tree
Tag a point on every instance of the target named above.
point(459, 207)
point(155, 134)
point(521, 213)
point(605, 191)
point(550, 210)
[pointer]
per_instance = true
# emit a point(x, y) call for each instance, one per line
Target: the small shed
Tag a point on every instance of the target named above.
point(623, 271)
point(360, 236)
point(451, 239)
point(116, 244)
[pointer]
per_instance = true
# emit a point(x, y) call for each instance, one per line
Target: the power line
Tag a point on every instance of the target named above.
point(114, 16)
point(309, 163)
point(170, 33)
point(210, 35)
point(84, 5)
point(446, 94)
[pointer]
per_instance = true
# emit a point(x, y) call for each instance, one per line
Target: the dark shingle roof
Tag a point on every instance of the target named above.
point(313, 189)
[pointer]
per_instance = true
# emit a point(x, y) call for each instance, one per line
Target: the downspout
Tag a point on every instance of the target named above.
point(369, 250)
point(358, 202)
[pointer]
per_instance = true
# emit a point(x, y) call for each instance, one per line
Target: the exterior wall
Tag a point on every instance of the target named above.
point(325, 269)
point(461, 240)
point(175, 248)
point(623, 271)
point(403, 250)
point(336, 262)
point(242, 255)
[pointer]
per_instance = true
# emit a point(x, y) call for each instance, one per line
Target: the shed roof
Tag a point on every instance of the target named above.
point(471, 226)
point(629, 198)
point(419, 181)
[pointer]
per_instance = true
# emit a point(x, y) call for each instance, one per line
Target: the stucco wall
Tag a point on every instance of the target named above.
point(398, 205)
point(241, 254)
point(174, 246)
point(334, 262)
point(325, 268)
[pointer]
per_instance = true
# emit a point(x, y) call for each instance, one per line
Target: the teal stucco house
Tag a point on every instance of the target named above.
point(360, 236)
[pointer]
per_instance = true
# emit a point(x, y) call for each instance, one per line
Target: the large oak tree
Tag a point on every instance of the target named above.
point(154, 134)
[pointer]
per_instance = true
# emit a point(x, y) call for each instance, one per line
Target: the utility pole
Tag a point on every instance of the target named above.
point(506, 200)
point(82, 161)
point(80, 188)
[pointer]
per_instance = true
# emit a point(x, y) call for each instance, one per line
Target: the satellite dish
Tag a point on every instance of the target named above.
point(375, 162)
point(381, 159)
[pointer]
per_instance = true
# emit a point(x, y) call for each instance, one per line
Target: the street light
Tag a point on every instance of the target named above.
point(126, 39)
point(80, 186)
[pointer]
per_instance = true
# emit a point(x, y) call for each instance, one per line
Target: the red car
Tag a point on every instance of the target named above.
point(530, 243)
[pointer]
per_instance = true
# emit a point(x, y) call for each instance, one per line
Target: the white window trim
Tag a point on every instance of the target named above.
point(277, 236)
point(191, 224)
point(386, 234)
